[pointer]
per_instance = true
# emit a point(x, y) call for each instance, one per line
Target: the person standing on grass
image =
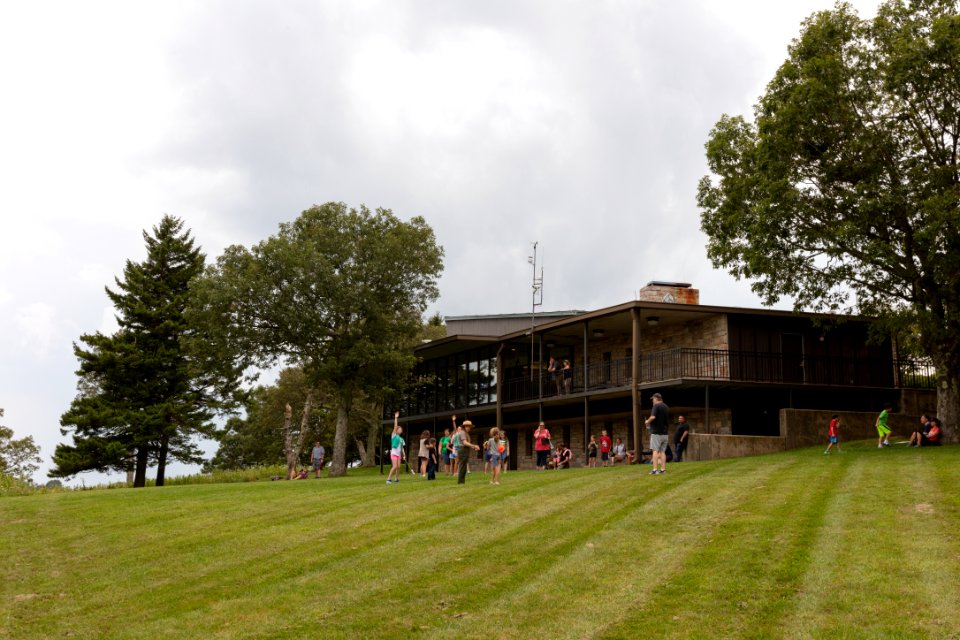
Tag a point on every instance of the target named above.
point(833, 433)
point(883, 430)
point(316, 458)
point(659, 424)
point(504, 450)
point(592, 451)
point(493, 449)
point(397, 449)
point(422, 454)
point(680, 438)
point(445, 451)
point(606, 445)
point(454, 445)
point(541, 444)
point(433, 459)
point(463, 451)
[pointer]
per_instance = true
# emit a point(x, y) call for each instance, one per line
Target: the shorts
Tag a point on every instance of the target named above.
point(494, 458)
point(593, 454)
point(487, 456)
point(659, 442)
point(883, 431)
point(834, 439)
point(394, 456)
point(318, 464)
point(604, 455)
point(453, 455)
point(446, 457)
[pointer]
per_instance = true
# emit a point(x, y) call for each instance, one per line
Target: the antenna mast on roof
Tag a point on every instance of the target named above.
point(537, 300)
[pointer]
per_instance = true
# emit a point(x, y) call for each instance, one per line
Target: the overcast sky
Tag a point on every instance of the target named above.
point(580, 125)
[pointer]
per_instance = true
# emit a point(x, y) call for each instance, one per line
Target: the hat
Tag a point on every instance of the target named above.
point(466, 423)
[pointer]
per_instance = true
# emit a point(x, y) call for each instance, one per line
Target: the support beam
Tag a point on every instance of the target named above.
point(500, 385)
point(635, 382)
point(586, 371)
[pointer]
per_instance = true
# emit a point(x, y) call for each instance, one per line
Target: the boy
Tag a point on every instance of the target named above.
point(833, 433)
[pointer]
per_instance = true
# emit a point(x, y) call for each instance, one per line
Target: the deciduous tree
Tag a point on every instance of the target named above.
point(338, 292)
point(844, 191)
point(19, 458)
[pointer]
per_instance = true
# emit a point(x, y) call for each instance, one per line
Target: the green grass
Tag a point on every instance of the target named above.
point(795, 545)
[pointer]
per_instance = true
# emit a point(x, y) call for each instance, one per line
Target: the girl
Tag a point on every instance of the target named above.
point(592, 451)
point(397, 446)
point(493, 449)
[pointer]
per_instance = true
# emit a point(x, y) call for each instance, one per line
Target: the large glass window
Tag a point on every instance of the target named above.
point(473, 382)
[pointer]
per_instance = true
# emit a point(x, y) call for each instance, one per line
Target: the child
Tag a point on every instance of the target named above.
point(883, 430)
point(833, 433)
point(432, 459)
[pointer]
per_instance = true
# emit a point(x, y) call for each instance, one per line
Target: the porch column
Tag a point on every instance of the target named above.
point(500, 385)
point(635, 381)
point(586, 404)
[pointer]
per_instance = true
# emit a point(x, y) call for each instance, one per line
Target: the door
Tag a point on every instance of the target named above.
point(791, 357)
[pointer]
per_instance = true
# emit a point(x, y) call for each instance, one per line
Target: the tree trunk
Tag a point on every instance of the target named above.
point(304, 424)
point(288, 441)
point(338, 466)
point(140, 475)
point(948, 405)
point(162, 459)
point(369, 455)
point(362, 448)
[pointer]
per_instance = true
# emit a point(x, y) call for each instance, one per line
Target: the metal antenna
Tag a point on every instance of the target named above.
point(536, 301)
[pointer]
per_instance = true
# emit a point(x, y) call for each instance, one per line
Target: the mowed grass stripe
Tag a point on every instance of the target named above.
point(763, 542)
point(571, 554)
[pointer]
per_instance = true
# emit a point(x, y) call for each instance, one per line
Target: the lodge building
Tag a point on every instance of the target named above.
point(742, 377)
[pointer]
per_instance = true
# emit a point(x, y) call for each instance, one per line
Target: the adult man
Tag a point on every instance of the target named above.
point(316, 458)
point(680, 438)
point(463, 449)
point(659, 424)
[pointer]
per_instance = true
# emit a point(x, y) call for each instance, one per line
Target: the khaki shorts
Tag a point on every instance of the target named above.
point(659, 442)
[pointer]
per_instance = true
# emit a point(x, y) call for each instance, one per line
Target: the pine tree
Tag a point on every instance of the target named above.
point(142, 396)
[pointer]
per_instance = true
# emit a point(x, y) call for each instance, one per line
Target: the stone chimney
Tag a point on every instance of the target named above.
point(672, 292)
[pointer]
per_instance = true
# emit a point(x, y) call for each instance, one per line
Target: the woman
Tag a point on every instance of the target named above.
point(541, 444)
point(592, 451)
point(422, 454)
point(567, 377)
point(397, 446)
point(619, 451)
point(493, 448)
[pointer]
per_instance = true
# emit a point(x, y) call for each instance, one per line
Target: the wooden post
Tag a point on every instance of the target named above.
point(634, 387)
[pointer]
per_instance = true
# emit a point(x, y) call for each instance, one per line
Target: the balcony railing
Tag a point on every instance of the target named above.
point(730, 366)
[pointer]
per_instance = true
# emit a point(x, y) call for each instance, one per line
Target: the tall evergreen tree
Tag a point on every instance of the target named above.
point(142, 396)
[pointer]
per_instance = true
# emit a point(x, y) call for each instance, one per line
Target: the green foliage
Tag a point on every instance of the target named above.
point(257, 438)
point(764, 547)
point(338, 292)
point(142, 396)
point(19, 459)
point(844, 193)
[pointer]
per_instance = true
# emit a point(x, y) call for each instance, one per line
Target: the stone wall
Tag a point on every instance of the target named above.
point(715, 447)
point(806, 428)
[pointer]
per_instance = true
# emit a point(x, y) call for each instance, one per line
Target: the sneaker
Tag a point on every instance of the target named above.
point(389, 481)
point(879, 446)
point(886, 443)
point(653, 472)
point(826, 453)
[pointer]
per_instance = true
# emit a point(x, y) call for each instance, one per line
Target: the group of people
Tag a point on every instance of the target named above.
point(561, 375)
point(927, 434)
point(452, 451)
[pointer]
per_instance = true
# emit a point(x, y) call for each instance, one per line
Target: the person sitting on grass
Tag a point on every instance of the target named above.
point(931, 438)
point(563, 457)
point(918, 433)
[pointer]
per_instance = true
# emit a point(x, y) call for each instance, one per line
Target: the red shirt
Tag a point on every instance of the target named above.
point(605, 444)
point(833, 428)
point(538, 444)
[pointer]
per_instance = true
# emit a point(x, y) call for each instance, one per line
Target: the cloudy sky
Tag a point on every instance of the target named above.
point(579, 125)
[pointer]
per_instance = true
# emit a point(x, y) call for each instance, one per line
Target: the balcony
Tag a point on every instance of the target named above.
point(709, 365)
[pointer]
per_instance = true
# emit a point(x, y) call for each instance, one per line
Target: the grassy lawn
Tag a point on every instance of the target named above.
point(865, 544)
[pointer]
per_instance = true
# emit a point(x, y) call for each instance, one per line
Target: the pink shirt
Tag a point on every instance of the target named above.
point(538, 443)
